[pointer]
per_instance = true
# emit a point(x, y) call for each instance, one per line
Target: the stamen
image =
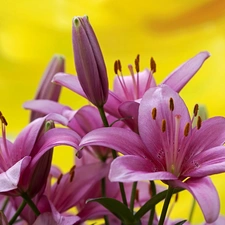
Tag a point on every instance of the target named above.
point(137, 63)
point(195, 111)
point(3, 120)
point(137, 195)
point(59, 178)
point(137, 67)
point(186, 129)
point(171, 104)
point(152, 65)
point(119, 65)
point(72, 176)
point(130, 67)
point(176, 197)
point(72, 168)
point(163, 125)
point(72, 172)
point(154, 113)
point(199, 122)
point(116, 67)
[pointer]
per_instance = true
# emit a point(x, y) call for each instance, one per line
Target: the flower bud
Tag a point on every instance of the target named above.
point(47, 89)
point(89, 62)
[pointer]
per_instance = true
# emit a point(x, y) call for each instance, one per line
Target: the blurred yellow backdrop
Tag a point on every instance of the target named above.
point(172, 31)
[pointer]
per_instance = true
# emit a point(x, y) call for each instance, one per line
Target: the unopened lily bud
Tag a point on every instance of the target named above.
point(89, 62)
point(42, 168)
point(47, 89)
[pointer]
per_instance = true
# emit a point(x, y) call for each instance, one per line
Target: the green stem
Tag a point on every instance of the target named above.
point(114, 154)
point(31, 204)
point(132, 197)
point(165, 205)
point(192, 210)
point(5, 204)
point(103, 187)
point(123, 193)
point(19, 210)
point(153, 193)
point(103, 116)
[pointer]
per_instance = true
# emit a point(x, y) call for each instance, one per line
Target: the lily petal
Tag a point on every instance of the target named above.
point(119, 139)
point(25, 141)
point(179, 77)
point(69, 81)
point(129, 111)
point(206, 195)
point(52, 138)
point(10, 179)
point(135, 168)
point(206, 163)
point(154, 108)
point(112, 104)
point(211, 134)
point(46, 106)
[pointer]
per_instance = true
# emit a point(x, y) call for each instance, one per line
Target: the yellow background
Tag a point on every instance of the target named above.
point(32, 31)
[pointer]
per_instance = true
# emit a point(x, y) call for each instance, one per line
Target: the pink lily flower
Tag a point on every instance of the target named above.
point(90, 65)
point(20, 159)
point(125, 87)
point(168, 148)
point(78, 189)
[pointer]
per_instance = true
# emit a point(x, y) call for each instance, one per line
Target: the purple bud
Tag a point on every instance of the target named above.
point(47, 89)
point(89, 62)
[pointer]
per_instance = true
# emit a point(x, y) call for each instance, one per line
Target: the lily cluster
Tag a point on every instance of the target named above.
point(124, 141)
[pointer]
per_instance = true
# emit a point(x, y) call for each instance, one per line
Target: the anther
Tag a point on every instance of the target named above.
point(71, 176)
point(72, 168)
point(186, 129)
point(154, 113)
point(119, 65)
point(116, 67)
point(176, 197)
point(195, 111)
point(72, 172)
point(199, 122)
point(163, 125)
point(3, 120)
point(137, 63)
point(59, 178)
point(152, 65)
point(137, 195)
point(171, 104)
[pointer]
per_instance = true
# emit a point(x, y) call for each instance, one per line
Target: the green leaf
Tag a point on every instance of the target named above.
point(181, 222)
point(118, 209)
point(151, 203)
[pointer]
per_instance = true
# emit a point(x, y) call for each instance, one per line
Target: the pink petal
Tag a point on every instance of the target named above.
point(25, 141)
point(69, 81)
point(52, 138)
point(206, 163)
point(211, 134)
point(129, 111)
point(205, 194)
point(85, 122)
point(9, 180)
point(112, 104)
point(134, 168)
point(150, 128)
point(85, 177)
point(179, 77)
point(48, 106)
point(119, 139)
